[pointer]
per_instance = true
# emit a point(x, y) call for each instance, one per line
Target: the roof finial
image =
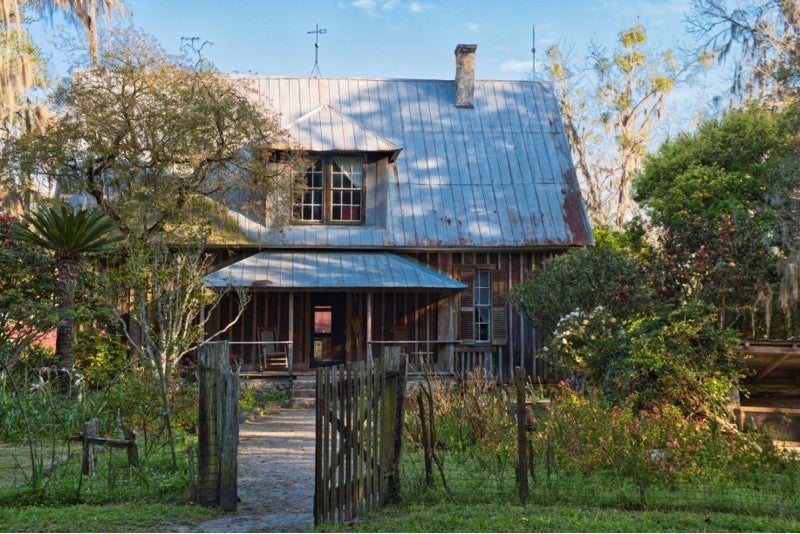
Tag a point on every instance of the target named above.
point(317, 30)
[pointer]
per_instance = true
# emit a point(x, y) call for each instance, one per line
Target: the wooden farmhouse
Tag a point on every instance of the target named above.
point(425, 202)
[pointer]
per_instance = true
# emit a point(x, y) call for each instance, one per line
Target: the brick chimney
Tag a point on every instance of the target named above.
point(465, 75)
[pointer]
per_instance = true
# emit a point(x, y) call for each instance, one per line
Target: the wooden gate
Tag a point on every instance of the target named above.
point(359, 437)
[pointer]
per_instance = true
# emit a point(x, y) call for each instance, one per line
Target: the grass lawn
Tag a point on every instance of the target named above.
point(105, 518)
point(511, 518)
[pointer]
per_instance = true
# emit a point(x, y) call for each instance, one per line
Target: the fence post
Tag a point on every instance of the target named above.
point(217, 428)
point(520, 381)
point(90, 430)
point(393, 489)
point(229, 443)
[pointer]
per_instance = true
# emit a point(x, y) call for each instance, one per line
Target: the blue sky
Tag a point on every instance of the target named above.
point(388, 38)
point(401, 38)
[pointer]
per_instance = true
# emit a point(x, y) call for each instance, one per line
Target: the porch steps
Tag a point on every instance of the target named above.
point(304, 391)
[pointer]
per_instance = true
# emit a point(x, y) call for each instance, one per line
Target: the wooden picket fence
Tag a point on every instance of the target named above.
point(359, 437)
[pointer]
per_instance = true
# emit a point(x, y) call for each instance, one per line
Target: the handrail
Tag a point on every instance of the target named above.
point(414, 342)
point(260, 342)
point(288, 344)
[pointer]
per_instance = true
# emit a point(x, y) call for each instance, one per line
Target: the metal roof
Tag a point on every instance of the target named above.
point(499, 174)
point(326, 129)
point(330, 270)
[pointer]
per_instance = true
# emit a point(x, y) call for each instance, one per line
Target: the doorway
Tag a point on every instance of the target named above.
point(328, 329)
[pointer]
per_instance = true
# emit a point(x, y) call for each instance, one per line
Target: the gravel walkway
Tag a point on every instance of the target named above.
point(276, 476)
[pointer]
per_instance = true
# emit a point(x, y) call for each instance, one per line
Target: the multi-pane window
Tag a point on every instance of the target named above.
point(334, 191)
point(310, 208)
point(483, 304)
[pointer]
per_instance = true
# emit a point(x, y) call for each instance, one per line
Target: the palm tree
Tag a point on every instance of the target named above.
point(69, 234)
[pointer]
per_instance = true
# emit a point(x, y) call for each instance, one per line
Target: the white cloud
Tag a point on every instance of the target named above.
point(367, 5)
point(473, 27)
point(372, 7)
point(515, 65)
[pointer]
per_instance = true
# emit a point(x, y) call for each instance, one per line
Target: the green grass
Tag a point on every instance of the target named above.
point(493, 517)
point(261, 403)
point(471, 481)
point(481, 497)
point(109, 518)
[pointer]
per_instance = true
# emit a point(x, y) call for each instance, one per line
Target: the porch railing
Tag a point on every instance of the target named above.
point(262, 356)
point(429, 355)
point(448, 356)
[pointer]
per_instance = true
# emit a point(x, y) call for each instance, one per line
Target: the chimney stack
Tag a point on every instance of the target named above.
point(465, 75)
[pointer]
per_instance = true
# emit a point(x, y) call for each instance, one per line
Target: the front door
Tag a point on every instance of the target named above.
point(328, 331)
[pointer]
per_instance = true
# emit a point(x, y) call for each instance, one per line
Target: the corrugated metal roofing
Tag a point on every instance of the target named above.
point(326, 129)
point(499, 174)
point(330, 270)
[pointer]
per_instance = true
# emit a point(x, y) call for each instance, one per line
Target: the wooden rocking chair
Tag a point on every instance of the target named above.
point(272, 356)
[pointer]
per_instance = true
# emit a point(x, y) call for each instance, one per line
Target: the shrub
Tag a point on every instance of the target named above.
point(679, 357)
point(582, 279)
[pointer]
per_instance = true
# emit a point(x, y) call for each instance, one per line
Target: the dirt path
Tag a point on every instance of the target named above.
point(276, 476)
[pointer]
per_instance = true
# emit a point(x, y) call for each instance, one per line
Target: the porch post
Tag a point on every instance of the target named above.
point(290, 350)
point(369, 324)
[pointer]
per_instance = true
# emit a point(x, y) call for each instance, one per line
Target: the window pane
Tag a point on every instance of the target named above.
point(309, 208)
point(323, 319)
point(482, 295)
point(350, 169)
point(346, 180)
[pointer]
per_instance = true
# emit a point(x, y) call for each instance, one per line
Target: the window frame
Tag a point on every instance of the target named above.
point(326, 161)
point(482, 306)
point(499, 311)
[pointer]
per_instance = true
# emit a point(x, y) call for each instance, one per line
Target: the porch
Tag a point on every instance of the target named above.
point(315, 309)
point(282, 333)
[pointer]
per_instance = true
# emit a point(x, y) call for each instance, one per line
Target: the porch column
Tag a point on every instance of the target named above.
point(291, 332)
point(369, 323)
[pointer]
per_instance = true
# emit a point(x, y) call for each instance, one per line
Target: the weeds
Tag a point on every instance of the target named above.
point(584, 453)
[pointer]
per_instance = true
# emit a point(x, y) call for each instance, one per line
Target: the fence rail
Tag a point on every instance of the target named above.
point(359, 437)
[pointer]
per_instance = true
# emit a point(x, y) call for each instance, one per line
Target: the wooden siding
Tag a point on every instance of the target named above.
point(407, 316)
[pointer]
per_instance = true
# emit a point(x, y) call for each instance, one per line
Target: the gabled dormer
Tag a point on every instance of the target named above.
point(343, 153)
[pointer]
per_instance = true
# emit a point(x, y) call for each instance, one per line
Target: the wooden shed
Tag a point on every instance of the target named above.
point(773, 389)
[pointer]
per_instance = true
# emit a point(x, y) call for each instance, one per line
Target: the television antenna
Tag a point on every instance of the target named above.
point(317, 31)
point(533, 51)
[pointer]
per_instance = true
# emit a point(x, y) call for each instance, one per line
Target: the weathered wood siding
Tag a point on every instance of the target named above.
point(410, 315)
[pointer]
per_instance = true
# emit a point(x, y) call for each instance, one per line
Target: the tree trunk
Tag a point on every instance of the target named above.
point(68, 267)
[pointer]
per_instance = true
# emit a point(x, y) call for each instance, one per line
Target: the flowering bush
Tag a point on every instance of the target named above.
point(581, 338)
point(660, 444)
point(679, 357)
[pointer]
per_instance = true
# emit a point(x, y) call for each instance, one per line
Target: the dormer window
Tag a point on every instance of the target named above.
point(334, 191)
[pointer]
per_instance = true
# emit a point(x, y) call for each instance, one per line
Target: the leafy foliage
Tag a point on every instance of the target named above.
point(581, 279)
point(27, 286)
point(142, 133)
point(724, 198)
point(69, 234)
point(678, 358)
point(721, 169)
point(609, 107)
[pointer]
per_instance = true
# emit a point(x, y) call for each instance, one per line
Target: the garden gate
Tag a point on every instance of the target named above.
point(359, 437)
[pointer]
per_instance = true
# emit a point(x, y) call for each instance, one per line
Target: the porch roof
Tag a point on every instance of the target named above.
point(330, 270)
